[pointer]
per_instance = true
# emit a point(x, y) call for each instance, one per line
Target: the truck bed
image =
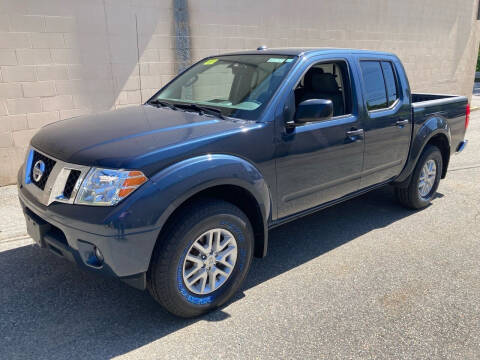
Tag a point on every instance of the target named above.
point(450, 109)
point(417, 97)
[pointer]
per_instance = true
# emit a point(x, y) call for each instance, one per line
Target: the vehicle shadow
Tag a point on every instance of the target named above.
point(50, 309)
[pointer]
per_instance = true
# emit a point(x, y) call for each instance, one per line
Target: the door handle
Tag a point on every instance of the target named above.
point(352, 134)
point(355, 132)
point(402, 123)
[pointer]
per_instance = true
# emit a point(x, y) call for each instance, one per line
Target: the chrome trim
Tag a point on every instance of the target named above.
point(38, 170)
point(56, 181)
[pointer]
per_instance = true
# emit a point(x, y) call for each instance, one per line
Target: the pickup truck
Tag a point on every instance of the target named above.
point(178, 194)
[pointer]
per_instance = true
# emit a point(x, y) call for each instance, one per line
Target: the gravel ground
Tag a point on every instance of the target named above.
point(364, 279)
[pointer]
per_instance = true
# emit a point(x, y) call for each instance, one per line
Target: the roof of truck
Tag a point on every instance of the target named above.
point(307, 51)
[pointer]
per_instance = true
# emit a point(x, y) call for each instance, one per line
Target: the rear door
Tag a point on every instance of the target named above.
point(387, 119)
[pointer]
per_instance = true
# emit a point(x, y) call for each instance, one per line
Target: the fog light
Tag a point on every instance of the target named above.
point(98, 254)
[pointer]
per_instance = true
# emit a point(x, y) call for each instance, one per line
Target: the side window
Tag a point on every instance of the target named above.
point(375, 93)
point(327, 80)
point(390, 82)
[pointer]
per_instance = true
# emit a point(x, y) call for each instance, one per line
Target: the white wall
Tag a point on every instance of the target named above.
point(63, 58)
point(437, 40)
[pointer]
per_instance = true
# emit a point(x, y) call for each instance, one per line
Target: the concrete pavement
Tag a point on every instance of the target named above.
point(475, 102)
point(364, 279)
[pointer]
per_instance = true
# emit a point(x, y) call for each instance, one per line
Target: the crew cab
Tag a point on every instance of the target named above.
point(178, 194)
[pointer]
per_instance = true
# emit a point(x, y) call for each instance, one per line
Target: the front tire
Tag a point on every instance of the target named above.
point(202, 258)
point(424, 181)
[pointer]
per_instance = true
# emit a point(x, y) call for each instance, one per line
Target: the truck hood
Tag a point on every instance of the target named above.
point(132, 137)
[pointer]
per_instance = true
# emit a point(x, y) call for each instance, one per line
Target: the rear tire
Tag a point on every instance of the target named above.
point(170, 279)
point(424, 181)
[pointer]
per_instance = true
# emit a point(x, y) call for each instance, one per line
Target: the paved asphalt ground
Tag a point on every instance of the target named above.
point(364, 279)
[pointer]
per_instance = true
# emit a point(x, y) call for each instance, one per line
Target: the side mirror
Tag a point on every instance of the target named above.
point(314, 110)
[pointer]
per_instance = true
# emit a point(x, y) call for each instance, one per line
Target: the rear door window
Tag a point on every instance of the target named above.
point(374, 83)
point(390, 82)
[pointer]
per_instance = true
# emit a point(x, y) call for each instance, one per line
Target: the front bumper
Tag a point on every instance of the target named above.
point(73, 231)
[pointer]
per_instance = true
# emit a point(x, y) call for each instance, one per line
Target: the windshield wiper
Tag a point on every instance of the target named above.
point(163, 104)
point(202, 109)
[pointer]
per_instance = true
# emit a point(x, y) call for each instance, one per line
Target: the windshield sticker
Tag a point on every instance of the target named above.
point(210, 61)
point(289, 60)
point(275, 60)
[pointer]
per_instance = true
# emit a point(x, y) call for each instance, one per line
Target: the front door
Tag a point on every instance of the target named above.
point(320, 161)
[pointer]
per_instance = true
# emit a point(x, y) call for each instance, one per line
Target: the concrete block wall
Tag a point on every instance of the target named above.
point(437, 40)
point(64, 58)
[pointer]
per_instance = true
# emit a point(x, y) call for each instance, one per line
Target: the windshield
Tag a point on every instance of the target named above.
point(237, 85)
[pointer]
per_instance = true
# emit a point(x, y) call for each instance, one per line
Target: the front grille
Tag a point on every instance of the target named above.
point(70, 184)
point(49, 164)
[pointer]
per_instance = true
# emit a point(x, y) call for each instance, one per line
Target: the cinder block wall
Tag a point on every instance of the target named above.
point(437, 40)
point(63, 58)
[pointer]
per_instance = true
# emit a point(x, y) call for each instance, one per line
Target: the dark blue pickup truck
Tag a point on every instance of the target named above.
point(177, 195)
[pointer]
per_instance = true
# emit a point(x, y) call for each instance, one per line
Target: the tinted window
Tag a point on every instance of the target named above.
point(328, 81)
point(390, 82)
point(374, 85)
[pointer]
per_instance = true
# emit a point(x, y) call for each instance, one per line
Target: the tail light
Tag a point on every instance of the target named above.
point(467, 116)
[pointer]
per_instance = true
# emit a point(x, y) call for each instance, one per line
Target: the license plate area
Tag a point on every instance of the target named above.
point(36, 227)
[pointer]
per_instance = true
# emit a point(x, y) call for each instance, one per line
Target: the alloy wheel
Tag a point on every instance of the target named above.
point(210, 261)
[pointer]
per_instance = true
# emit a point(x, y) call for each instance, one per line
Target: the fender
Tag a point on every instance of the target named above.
point(433, 126)
point(177, 183)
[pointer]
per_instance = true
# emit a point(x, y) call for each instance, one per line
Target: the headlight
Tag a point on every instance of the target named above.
point(107, 187)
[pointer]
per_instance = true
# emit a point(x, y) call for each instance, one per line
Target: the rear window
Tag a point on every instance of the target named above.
point(375, 92)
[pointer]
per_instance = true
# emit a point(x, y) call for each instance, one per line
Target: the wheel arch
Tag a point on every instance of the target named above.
point(237, 196)
point(434, 131)
point(219, 176)
point(440, 140)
